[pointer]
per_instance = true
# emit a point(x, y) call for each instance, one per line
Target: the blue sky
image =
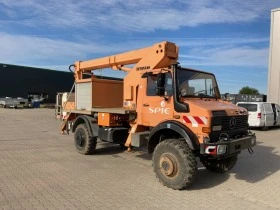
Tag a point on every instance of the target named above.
point(227, 37)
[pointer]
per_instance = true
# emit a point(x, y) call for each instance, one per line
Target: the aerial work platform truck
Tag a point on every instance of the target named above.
point(176, 112)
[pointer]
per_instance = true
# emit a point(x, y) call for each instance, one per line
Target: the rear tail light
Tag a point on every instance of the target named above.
point(259, 115)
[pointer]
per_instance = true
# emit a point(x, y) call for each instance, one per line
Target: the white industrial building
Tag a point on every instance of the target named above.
point(273, 93)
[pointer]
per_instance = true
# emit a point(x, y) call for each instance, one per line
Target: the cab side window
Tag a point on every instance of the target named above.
point(152, 85)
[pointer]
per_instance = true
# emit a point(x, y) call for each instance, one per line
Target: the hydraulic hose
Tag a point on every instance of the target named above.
point(72, 65)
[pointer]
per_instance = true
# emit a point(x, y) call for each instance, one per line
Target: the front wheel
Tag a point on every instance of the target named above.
point(174, 164)
point(219, 166)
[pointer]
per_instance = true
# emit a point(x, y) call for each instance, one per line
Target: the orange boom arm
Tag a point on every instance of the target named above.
point(159, 55)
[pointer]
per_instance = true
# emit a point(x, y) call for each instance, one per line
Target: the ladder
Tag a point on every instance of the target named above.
point(64, 126)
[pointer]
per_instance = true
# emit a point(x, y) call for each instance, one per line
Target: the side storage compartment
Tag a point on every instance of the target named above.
point(107, 93)
point(99, 93)
point(83, 96)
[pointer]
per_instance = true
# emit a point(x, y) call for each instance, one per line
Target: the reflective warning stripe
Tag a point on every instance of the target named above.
point(186, 119)
point(195, 120)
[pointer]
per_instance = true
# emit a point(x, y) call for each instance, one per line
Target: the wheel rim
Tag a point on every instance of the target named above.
point(80, 139)
point(168, 165)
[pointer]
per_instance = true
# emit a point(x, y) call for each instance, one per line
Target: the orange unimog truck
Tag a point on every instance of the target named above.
point(176, 112)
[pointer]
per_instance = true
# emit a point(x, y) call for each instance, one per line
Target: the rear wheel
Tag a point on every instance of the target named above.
point(174, 164)
point(85, 144)
point(219, 166)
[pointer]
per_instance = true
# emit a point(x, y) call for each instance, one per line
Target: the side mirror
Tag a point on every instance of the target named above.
point(160, 84)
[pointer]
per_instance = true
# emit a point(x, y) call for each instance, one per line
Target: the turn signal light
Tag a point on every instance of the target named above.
point(206, 129)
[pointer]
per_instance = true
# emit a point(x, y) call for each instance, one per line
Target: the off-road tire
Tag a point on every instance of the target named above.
point(85, 144)
point(219, 166)
point(184, 167)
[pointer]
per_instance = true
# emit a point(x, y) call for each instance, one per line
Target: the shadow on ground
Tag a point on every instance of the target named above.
point(104, 148)
point(206, 179)
point(253, 168)
point(273, 128)
point(250, 168)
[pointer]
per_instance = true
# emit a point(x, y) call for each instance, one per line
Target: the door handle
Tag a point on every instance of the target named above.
point(146, 105)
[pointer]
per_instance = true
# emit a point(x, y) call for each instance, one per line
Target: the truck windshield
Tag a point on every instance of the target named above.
point(196, 84)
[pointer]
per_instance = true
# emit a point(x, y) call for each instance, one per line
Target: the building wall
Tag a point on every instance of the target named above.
point(274, 59)
point(18, 81)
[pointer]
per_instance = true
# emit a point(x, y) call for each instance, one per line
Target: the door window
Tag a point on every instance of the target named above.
point(267, 107)
point(152, 85)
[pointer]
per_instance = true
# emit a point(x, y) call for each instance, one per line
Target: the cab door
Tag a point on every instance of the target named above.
point(155, 107)
point(277, 114)
point(269, 115)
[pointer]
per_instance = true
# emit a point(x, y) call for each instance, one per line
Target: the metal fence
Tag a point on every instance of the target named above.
point(234, 98)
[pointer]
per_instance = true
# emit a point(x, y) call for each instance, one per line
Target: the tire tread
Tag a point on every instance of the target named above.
point(90, 142)
point(188, 162)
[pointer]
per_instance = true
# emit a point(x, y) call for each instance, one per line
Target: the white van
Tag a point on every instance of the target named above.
point(262, 114)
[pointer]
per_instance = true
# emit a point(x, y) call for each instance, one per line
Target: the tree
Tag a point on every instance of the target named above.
point(249, 91)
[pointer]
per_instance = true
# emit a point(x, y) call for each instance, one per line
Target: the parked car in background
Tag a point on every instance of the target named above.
point(9, 102)
point(262, 114)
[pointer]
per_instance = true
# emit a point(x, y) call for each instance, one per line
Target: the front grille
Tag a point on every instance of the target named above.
point(240, 126)
point(240, 122)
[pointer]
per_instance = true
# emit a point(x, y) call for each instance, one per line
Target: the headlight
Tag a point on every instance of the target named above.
point(221, 149)
point(217, 128)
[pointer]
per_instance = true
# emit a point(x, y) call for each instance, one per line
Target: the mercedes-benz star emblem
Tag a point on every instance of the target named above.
point(232, 123)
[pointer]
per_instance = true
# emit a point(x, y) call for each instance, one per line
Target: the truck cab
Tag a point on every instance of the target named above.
point(191, 99)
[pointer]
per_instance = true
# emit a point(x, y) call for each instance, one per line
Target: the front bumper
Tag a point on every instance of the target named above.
point(230, 147)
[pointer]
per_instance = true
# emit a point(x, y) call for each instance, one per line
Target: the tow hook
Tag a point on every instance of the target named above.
point(250, 150)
